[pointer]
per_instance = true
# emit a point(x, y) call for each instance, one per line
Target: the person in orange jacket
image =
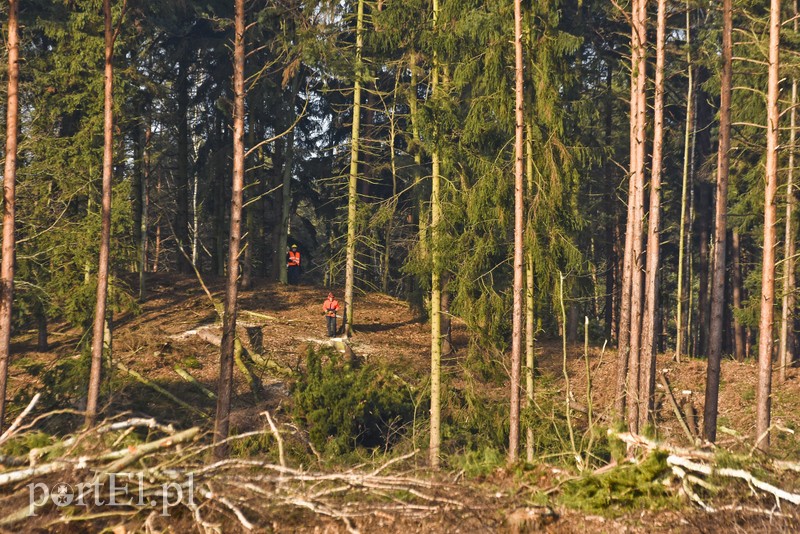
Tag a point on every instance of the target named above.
point(293, 265)
point(329, 308)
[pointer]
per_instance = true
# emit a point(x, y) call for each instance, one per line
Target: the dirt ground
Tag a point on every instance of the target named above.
point(280, 322)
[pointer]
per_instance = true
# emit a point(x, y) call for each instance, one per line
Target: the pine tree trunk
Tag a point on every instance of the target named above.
point(737, 294)
point(9, 200)
point(286, 185)
point(143, 218)
point(720, 230)
point(226, 359)
point(765, 341)
point(649, 326)
point(105, 232)
point(786, 352)
point(679, 320)
point(516, 335)
point(352, 190)
point(637, 232)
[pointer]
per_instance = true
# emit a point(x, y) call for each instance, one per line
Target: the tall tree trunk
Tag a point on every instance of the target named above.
point(286, 186)
point(624, 344)
point(720, 229)
point(105, 232)
point(649, 326)
point(765, 342)
point(737, 294)
point(703, 221)
point(529, 302)
point(182, 171)
point(680, 332)
point(225, 384)
point(145, 206)
point(9, 203)
point(352, 190)
point(516, 335)
point(786, 352)
point(436, 289)
point(637, 232)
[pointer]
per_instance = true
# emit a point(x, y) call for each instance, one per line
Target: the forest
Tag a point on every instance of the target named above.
point(562, 235)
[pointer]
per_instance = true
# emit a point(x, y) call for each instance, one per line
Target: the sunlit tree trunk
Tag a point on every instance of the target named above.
point(436, 289)
point(765, 324)
point(105, 232)
point(720, 229)
point(649, 326)
point(182, 170)
point(143, 219)
point(352, 189)
point(225, 384)
point(9, 203)
point(516, 335)
point(639, 43)
point(529, 306)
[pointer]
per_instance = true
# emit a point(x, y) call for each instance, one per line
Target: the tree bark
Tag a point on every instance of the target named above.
point(226, 359)
point(352, 190)
point(765, 324)
point(9, 203)
point(105, 232)
point(637, 232)
point(647, 380)
point(286, 186)
point(182, 171)
point(720, 229)
point(786, 352)
point(516, 335)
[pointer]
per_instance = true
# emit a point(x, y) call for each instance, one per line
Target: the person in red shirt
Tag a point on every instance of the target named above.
point(293, 265)
point(329, 308)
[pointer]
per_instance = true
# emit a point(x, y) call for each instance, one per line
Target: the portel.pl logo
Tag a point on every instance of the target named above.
point(121, 489)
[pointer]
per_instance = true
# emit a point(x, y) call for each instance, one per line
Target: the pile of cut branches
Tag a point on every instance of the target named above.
point(703, 474)
point(109, 476)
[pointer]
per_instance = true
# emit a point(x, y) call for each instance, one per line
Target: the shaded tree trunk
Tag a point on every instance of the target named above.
point(105, 232)
point(225, 384)
point(182, 171)
point(765, 324)
point(737, 294)
point(720, 229)
point(9, 203)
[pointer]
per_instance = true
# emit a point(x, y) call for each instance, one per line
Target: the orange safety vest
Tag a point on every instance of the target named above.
point(294, 258)
point(330, 307)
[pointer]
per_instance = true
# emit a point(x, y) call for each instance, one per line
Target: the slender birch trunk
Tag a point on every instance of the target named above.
point(9, 203)
point(105, 232)
point(226, 357)
point(516, 336)
point(766, 322)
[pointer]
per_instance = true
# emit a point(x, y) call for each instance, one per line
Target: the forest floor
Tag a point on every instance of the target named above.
point(176, 322)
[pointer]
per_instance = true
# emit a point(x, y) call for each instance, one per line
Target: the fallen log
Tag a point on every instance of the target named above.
point(122, 367)
point(183, 373)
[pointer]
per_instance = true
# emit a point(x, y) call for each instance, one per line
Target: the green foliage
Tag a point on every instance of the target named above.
point(20, 446)
point(627, 487)
point(346, 406)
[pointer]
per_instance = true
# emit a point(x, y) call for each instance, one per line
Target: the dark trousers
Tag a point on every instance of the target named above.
point(331, 325)
point(293, 274)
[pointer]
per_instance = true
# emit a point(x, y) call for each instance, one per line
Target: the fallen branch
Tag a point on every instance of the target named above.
point(682, 420)
point(161, 390)
point(193, 381)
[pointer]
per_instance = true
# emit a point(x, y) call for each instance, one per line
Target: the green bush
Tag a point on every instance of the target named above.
point(346, 406)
